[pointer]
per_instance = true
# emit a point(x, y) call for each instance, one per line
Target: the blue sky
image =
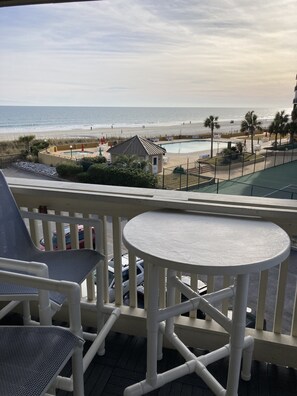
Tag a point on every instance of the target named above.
point(150, 53)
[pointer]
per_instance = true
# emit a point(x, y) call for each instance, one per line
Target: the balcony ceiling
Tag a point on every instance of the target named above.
point(10, 3)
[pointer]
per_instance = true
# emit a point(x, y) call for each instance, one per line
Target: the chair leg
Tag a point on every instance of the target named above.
point(77, 372)
point(27, 313)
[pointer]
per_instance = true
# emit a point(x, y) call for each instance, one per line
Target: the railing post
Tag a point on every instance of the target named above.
point(163, 179)
point(230, 168)
point(265, 159)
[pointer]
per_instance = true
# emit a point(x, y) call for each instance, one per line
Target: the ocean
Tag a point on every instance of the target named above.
point(30, 119)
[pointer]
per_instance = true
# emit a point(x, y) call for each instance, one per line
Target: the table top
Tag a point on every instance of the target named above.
point(206, 244)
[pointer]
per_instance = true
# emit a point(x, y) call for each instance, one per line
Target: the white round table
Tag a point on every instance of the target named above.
point(202, 244)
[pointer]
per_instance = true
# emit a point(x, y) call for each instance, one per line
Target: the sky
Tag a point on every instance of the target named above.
point(210, 53)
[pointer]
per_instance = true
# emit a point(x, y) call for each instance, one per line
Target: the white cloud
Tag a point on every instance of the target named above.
point(144, 52)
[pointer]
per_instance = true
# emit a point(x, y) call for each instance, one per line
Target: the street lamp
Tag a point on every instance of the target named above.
point(71, 152)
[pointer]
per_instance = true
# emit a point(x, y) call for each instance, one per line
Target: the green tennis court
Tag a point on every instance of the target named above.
point(277, 182)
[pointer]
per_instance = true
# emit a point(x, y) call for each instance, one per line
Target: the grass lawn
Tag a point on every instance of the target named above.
point(175, 181)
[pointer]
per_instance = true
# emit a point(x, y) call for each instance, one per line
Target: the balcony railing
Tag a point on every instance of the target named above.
point(49, 206)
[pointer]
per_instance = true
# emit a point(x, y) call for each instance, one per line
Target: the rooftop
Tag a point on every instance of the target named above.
point(137, 145)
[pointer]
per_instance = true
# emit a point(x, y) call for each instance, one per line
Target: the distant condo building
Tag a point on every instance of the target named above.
point(295, 98)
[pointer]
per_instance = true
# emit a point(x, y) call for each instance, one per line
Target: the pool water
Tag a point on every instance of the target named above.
point(78, 153)
point(192, 146)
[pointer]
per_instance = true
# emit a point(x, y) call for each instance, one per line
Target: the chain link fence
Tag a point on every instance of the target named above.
point(202, 173)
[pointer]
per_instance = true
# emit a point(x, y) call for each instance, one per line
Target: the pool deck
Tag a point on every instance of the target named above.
point(170, 159)
point(176, 159)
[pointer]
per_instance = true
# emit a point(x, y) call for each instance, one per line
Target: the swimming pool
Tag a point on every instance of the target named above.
point(78, 153)
point(191, 146)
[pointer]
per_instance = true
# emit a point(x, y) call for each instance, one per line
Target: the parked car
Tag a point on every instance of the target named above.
point(81, 238)
point(125, 275)
point(250, 318)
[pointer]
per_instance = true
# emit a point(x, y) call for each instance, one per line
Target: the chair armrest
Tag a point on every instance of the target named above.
point(30, 267)
point(70, 289)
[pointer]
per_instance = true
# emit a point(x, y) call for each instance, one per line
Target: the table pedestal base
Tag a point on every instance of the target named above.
point(199, 366)
point(162, 320)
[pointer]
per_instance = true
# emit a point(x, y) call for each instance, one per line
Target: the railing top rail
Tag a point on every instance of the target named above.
point(136, 200)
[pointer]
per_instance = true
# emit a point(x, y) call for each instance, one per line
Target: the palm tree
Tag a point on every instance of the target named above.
point(272, 129)
point(292, 126)
point(26, 140)
point(249, 125)
point(279, 125)
point(292, 130)
point(212, 123)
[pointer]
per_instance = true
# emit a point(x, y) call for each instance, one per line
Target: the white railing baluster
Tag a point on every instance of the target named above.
point(260, 311)
point(33, 228)
point(117, 254)
point(210, 289)
point(60, 227)
point(194, 284)
point(294, 317)
point(47, 235)
point(132, 280)
point(102, 247)
point(280, 297)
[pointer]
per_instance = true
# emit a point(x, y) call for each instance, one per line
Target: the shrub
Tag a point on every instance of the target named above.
point(86, 162)
point(83, 177)
point(179, 169)
point(38, 145)
point(103, 174)
point(68, 170)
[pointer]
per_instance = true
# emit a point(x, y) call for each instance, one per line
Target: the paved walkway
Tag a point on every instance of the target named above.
point(32, 171)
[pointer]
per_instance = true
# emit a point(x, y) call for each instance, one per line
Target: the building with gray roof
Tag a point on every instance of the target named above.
point(143, 148)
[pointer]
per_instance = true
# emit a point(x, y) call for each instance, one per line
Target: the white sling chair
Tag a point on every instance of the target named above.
point(17, 246)
point(31, 357)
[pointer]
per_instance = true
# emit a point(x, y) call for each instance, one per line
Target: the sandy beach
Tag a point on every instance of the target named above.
point(160, 133)
point(156, 131)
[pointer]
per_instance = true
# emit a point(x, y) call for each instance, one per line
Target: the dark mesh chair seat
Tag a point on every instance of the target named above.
point(31, 357)
point(71, 265)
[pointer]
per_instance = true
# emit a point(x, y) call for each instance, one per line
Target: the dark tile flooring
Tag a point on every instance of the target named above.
point(125, 363)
